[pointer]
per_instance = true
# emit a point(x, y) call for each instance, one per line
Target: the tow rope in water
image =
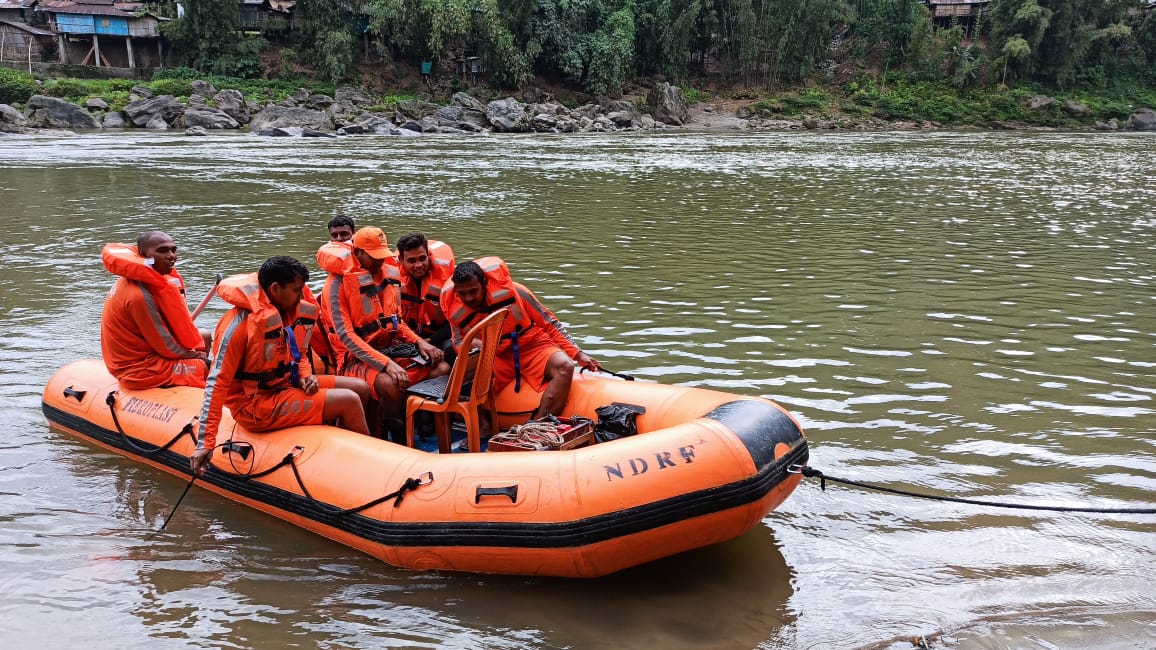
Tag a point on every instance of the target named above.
point(811, 472)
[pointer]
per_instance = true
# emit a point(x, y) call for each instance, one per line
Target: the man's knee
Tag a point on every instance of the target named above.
point(387, 389)
point(559, 368)
point(356, 385)
point(442, 368)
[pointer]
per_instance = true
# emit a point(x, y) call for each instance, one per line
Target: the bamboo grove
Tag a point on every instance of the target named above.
point(598, 46)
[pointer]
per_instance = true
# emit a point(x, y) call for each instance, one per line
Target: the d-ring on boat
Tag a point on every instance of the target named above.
point(705, 467)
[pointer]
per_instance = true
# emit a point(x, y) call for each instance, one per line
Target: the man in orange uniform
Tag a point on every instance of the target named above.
point(426, 266)
point(147, 337)
point(361, 312)
point(341, 228)
point(261, 368)
point(535, 349)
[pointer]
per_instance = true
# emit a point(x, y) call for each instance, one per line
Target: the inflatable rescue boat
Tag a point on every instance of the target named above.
point(704, 467)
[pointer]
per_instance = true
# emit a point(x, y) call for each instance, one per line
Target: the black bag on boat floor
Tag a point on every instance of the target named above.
point(616, 420)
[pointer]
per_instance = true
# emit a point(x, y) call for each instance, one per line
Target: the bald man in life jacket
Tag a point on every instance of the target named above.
point(147, 337)
point(535, 349)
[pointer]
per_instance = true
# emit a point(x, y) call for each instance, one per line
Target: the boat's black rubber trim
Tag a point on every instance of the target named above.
point(495, 533)
point(759, 425)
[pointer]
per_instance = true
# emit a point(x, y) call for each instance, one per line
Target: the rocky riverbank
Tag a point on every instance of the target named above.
point(351, 112)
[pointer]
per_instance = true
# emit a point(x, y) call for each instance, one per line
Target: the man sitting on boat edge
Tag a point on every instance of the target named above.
point(535, 348)
point(261, 368)
point(147, 337)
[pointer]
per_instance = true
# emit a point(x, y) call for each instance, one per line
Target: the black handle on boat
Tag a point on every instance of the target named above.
point(78, 394)
point(242, 448)
point(620, 375)
point(508, 491)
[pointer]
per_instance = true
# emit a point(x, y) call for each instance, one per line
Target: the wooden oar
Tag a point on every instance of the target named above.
point(208, 297)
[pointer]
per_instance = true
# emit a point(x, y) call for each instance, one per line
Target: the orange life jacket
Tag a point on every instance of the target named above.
point(421, 299)
point(273, 359)
point(167, 292)
point(371, 309)
point(501, 291)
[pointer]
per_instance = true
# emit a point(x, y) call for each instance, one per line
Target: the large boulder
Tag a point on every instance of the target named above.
point(113, 120)
point(352, 96)
point(376, 124)
point(53, 113)
point(95, 104)
point(1076, 108)
point(623, 114)
point(508, 116)
point(1038, 102)
point(544, 123)
point(413, 109)
point(209, 118)
point(11, 120)
point(232, 103)
point(318, 102)
point(460, 117)
point(667, 104)
point(1143, 119)
point(466, 100)
point(203, 88)
point(141, 112)
point(274, 117)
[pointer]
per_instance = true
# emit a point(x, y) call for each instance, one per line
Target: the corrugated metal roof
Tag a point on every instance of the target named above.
point(73, 7)
point(27, 28)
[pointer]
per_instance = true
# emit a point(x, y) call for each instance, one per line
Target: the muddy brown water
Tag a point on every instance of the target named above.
point(962, 314)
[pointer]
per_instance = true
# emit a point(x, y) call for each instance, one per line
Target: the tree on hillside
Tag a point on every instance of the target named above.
point(590, 43)
point(208, 36)
point(666, 36)
point(792, 36)
point(1023, 20)
point(421, 29)
point(328, 31)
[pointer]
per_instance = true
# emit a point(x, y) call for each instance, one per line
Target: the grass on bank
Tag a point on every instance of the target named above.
point(944, 104)
point(862, 99)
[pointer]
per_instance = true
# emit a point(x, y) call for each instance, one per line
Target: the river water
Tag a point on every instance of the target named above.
point(962, 314)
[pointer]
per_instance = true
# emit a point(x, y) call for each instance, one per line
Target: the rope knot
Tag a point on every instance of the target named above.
point(410, 484)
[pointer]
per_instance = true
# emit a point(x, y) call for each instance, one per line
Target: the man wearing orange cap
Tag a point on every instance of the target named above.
point(360, 307)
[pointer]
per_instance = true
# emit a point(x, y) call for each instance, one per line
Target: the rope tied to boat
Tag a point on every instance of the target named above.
point(811, 472)
point(290, 459)
point(146, 451)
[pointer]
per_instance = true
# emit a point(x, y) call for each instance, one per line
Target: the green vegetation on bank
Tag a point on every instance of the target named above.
point(600, 46)
point(887, 59)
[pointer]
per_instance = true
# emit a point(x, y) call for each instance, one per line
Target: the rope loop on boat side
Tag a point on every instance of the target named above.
point(146, 451)
point(811, 472)
point(290, 459)
point(410, 484)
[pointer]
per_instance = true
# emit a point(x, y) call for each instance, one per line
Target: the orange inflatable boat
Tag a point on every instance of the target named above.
point(705, 467)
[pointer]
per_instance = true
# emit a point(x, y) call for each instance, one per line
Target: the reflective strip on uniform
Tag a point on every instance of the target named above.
point(158, 322)
point(218, 360)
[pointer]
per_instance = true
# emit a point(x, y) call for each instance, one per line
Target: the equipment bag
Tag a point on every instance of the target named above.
point(616, 420)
